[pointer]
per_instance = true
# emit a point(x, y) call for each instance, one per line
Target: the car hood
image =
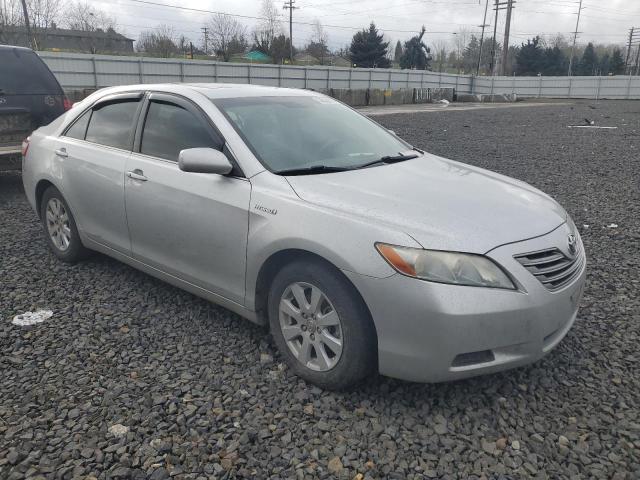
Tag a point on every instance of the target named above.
point(441, 203)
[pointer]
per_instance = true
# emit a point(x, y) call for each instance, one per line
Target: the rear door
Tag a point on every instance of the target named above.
point(93, 152)
point(191, 225)
point(30, 96)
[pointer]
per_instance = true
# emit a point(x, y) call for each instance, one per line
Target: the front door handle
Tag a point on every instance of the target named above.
point(137, 174)
point(62, 152)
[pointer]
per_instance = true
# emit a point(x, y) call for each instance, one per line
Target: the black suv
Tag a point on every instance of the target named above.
point(30, 96)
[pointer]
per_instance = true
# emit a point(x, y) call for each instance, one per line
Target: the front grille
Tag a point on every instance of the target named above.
point(552, 267)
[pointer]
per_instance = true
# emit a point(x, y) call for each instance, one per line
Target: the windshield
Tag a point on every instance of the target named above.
point(288, 133)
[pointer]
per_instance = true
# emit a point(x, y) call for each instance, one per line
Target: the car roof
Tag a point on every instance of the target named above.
point(12, 47)
point(215, 90)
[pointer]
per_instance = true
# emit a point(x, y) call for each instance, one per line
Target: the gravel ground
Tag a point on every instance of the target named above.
point(132, 378)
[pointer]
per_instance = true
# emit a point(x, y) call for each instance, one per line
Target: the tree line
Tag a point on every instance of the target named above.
point(227, 38)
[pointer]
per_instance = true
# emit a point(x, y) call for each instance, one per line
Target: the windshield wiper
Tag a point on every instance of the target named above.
point(389, 159)
point(312, 170)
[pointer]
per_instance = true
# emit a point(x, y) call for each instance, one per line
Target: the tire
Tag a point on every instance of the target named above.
point(60, 227)
point(324, 367)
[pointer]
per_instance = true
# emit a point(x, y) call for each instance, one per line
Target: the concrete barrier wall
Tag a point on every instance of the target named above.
point(402, 96)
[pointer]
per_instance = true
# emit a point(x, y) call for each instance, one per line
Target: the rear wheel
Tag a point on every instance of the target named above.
point(321, 326)
point(60, 227)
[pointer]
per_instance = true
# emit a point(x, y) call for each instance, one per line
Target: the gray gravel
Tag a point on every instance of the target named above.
point(132, 378)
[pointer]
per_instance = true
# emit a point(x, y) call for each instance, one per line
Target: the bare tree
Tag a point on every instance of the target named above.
point(159, 42)
point(317, 45)
point(43, 13)
point(84, 16)
point(268, 28)
point(11, 13)
point(460, 41)
point(226, 34)
point(440, 48)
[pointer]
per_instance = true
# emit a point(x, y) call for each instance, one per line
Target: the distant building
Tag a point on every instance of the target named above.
point(54, 38)
point(305, 59)
point(338, 61)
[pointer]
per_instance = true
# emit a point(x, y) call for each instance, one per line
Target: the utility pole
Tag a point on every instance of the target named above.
point(205, 34)
point(575, 36)
point(484, 24)
point(27, 25)
point(493, 47)
point(507, 30)
point(498, 6)
point(638, 61)
point(634, 39)
point(289, 5)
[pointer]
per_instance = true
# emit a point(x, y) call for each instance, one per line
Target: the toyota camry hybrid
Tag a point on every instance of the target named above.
point(361, 252)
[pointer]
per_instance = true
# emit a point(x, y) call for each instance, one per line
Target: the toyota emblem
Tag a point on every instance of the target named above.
point(572, 241)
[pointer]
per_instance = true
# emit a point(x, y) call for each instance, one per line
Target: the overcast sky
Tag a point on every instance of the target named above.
point(602, 21)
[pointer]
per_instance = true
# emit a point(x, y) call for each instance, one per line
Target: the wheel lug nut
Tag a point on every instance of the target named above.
point(313, 337)
point(304, 328)
point(318, 329)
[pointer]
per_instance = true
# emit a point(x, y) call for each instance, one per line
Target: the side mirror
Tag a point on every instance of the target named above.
point(204, 160)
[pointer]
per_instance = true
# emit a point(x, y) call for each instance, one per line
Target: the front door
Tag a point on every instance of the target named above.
point(190, 225)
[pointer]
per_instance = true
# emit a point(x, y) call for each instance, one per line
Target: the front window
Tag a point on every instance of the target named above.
point(298, 132)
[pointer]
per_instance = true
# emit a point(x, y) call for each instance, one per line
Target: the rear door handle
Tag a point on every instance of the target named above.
point(137, 174)
point(62, 152)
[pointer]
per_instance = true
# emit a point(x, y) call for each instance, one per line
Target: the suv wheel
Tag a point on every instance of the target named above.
point(60, 227)
point(321, 325)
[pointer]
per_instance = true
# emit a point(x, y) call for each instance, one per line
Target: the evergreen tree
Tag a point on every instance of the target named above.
point(470, 55)
point(368, 49)
point(416, 54)
point(555, 62)
point(616, 65)
point(530, 58)
point(280, 48)
point(398, 52)
point(605, 65)
point(589, 62)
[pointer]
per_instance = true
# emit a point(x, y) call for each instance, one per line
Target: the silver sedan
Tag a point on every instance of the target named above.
point(361, 252)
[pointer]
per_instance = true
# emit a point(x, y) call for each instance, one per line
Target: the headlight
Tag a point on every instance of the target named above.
point(445, 267)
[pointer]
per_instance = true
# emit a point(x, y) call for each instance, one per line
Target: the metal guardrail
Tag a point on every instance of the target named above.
point(81, 71)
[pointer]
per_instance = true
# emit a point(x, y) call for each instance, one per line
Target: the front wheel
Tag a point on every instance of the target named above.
point(321, 326)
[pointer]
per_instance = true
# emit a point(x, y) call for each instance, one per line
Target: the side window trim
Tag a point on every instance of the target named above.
point(178, 101)
point(190, 106)
point(101, 102)
point(86, 111)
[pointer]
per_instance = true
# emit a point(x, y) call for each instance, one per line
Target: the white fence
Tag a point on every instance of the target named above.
point(79, 71)
point(617, 87)
point(96, 71)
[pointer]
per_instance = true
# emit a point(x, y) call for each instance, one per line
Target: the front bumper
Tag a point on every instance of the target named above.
point(429, 332)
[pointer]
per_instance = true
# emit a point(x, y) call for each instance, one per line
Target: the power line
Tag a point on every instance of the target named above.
point(253, 17)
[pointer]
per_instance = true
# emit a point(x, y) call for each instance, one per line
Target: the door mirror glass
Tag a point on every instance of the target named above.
point(204, 160)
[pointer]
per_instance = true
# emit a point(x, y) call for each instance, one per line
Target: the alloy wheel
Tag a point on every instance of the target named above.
point(311, 326)
point(57, 220)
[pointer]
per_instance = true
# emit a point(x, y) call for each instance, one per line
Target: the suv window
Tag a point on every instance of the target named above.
point(79, 128)
point(112, 124)
point(169, 128)
point(23, 72)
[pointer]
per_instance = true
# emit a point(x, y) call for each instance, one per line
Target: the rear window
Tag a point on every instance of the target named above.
point(111, 124)
point(23, 72)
